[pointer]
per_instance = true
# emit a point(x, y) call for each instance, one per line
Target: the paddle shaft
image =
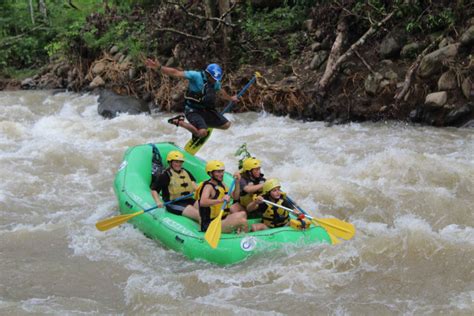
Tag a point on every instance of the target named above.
point(285, 208)
point(231, 103)
point(334, 239)
point(214, 230)
point(194, 144)
point(296, 205)
point(112, 222)
point(232, 185)
point(338, 228)
point(170, 202)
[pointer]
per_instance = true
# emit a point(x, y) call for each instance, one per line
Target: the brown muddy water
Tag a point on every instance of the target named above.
point(409, 190)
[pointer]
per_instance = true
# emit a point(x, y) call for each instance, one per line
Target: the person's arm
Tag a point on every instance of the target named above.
point(252, 188)
point(287, 204)
point(169, 71)
point(224, 95)
point(157, 198)
point(255, 204)
point(206, 200)
point(193, 183)
point(157, 186)
point(236, 193)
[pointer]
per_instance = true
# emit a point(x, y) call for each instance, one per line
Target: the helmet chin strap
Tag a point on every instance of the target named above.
point(213, 177)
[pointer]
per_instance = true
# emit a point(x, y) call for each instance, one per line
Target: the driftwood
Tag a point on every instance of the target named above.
point(335, 59)
point(411, 71)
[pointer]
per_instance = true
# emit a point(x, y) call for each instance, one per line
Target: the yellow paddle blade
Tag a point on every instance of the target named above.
point(334, 240)
point(258, 74)
point(194, 144)
point(213, 233)
point(109, 223)
point(337, 227)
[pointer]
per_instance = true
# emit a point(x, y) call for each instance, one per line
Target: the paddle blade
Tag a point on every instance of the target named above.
point(334, 240)
point(337, 227)
point(213, 233)
point(109, 223)
point(194, 144)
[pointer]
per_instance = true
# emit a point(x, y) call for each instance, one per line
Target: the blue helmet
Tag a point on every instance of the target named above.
point(215, 71)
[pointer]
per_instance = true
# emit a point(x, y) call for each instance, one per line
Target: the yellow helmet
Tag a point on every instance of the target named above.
point(174, 155)
point(270, 184)
point(213, 165)
point(250, 163)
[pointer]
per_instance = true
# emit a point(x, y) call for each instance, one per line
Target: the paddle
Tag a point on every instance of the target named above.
point(195, 143)
point(334, 239)
point(213, 232)
point(334, 226)
point(109, 223)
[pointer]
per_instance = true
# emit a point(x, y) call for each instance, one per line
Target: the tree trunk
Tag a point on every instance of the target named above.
point(224, 7)
point(210, 9)
point(43, 10)
point(403, 93)
point(334, 65)
point(331, 66)
point(32, 14)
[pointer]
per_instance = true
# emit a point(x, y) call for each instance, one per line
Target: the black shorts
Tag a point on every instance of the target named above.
point(202, 119)
point(205, 214)
point(178, 207)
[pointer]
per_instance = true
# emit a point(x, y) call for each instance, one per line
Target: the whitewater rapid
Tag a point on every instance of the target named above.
point(408, 189)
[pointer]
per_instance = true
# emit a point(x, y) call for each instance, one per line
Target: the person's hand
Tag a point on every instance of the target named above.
point(226, 198)
point(234, 99)
point(159, 205)
point(152, 63)
point(259, 199)
point(237, 176)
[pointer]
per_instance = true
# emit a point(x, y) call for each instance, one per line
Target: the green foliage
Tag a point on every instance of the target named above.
point(24, 44)
point(417, 15)
point(271, 55)
point(436, 22)
point(129, 37)
point(266, 24)
point(296, 41)
point(243, 153)
point(431, 22)
point(262, 28)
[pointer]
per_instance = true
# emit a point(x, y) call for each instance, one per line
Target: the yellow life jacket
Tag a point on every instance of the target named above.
point(180, 183)
point(275, 216)
point(221, 190)
point(246, 198)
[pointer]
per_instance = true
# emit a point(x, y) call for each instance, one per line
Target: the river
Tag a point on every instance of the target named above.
point(408, 189)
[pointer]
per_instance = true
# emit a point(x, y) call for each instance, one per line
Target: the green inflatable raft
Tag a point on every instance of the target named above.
point(132, 187)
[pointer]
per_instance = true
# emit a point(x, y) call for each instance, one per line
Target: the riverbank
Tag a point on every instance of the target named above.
point(332, 68)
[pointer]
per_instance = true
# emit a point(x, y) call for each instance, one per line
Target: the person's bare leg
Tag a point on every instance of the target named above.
point(191, 212)
point(224, 126)
point(235, 221)
point(259, 226)
point(236, 207)
point(191, 128)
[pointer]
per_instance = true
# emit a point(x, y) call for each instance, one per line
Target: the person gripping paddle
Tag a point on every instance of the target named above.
point(200, 99)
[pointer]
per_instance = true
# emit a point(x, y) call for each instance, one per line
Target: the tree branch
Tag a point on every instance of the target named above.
point(411, 71)
point(220, 19)
point(333, 67)
point(168, 29)
point(364, 61)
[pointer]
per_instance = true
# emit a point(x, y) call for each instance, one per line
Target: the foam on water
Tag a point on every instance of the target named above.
point(409, 191)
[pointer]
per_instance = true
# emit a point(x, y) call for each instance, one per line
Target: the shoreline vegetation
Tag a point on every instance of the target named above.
point(334, 61)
